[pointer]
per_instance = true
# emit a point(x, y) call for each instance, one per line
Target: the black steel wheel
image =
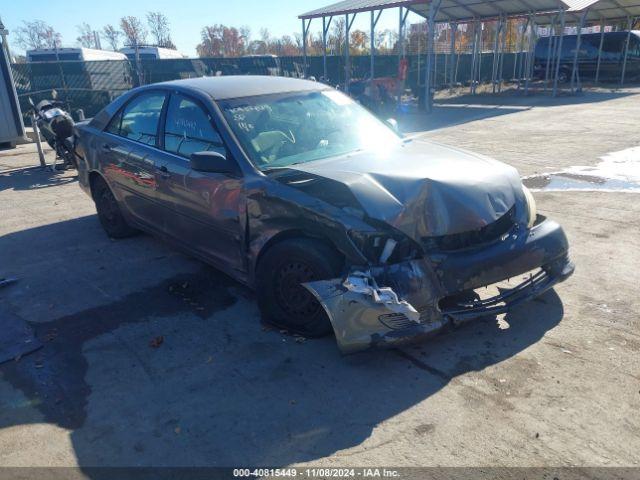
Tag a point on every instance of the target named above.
point(282, 270)
point(109, 213)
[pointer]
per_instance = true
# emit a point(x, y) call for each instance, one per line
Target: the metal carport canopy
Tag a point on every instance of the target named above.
point(449, 10)
point(356, 6)
point(605, 9)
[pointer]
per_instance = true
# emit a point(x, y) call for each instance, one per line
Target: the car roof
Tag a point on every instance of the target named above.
point(237, 86)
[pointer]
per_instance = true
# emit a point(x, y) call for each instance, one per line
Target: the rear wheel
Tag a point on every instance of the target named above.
point(283, 300)
point(109, 213)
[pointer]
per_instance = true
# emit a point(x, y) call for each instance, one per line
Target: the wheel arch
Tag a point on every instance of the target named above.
point(94, 176)
point(288, 234)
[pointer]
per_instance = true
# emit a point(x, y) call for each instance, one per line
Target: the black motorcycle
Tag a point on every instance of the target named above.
point(56, 126)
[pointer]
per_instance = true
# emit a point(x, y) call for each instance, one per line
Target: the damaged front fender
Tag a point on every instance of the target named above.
point(389, 305)
point(364, 315)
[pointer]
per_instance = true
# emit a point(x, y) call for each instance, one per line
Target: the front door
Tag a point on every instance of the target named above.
point(205, 207)
point(132, 137)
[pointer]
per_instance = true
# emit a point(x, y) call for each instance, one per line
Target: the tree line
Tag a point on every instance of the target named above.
point(131, 31)
point(228, 41)
point(215, 40)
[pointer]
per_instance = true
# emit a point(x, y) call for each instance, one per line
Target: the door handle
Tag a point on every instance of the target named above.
point(106, 147)
point(164, 171)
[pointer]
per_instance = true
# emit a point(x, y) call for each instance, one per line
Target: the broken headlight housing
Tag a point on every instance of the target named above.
point(380, 247)
point(532, 210)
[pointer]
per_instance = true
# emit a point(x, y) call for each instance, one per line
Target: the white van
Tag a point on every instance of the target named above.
point(72, 55)
point(153, 53)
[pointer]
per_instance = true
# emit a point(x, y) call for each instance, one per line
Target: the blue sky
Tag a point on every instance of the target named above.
point(187, 17)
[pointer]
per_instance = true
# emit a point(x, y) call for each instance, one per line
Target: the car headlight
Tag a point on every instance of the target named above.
point(532, 210)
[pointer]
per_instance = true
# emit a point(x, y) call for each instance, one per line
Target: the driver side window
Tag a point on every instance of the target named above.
point(188, 129)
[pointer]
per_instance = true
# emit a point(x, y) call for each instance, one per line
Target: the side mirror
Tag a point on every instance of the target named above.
point(213, 162)
point(393, 123)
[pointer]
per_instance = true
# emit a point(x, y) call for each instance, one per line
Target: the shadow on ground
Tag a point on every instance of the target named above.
point(32, 178)
point(182, 373)
point(460, 109)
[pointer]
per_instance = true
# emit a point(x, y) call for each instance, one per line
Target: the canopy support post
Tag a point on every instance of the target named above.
point(530, 53)
point(550, 48)
point(575, 75)
point(305, 33)
point(494, 66)
point(347, 59)
point(600, 51)
point(325, 29)
point(372, 47)
point(521, 53)
point(516, 60)
point(626, 50)
point(454, 28)
point(402, 19)
point(503, 47)
point(433, 11)
point(558, 54)
point(474, 58)
point(374, 22)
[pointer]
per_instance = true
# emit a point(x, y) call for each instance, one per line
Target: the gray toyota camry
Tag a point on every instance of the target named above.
point(338, 223)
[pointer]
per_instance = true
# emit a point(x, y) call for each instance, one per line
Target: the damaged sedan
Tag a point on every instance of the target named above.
point(338, 223)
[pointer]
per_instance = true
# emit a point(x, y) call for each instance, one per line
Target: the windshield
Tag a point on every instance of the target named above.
point(284, 129)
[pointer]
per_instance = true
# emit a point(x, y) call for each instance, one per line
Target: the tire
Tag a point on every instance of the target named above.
point(109, 213)
point(282, 300)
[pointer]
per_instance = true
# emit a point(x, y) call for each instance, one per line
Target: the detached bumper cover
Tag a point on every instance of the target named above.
point(370, 317)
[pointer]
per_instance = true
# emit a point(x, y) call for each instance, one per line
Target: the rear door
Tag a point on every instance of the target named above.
point(132, 147)
point(206, 205)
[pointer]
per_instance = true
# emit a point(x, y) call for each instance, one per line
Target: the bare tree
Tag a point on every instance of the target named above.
point(221, 41)
point(112, 35)
point(358, 41)
point(337, 36)
point(285, 47)
point(86, 36)
point(245, 34)
point(265, 36)
point(133, 30)
point(159, 27)
point(37, 34)
point(211, 44)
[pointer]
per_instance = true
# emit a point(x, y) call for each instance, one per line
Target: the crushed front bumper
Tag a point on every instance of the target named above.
point(412, 300)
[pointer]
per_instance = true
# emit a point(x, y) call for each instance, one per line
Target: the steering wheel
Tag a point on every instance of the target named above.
point(271, 152)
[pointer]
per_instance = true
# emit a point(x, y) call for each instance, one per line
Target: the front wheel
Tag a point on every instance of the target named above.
point(109, 213)
point(282, 299)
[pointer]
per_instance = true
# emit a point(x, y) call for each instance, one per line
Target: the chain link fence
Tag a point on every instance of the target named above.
point(90, 85)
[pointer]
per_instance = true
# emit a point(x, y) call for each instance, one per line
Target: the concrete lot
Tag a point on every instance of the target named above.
point(555, 383)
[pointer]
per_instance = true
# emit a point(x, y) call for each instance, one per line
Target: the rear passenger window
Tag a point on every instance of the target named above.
point(140, 118)
point(188, 129)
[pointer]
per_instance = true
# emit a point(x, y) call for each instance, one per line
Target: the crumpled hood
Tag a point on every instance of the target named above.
point(425, 189)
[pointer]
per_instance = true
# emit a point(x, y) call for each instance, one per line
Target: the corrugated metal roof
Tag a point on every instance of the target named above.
point(578, 5)
point(605, 9)
point(466, 10)
point(354, 6)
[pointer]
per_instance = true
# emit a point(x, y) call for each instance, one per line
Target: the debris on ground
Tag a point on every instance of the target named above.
point(156, 341)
